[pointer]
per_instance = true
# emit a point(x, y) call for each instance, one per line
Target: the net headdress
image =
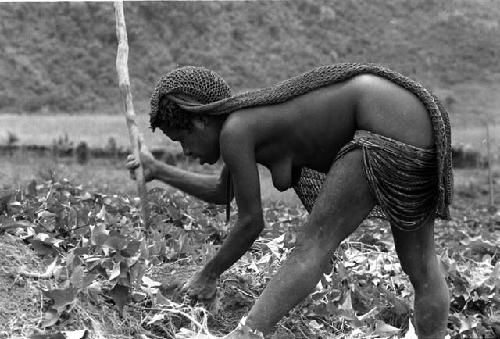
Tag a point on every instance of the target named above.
point(188, 86)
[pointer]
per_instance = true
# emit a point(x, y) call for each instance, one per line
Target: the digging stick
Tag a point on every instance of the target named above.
point(136, 139)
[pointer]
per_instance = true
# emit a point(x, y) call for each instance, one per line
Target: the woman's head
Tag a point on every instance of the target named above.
point(196, 85)
point(197, 133)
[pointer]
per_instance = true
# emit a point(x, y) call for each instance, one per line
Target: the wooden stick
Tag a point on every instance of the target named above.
point(136, 139)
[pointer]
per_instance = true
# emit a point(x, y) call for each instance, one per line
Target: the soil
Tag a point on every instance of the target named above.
point(21, 299)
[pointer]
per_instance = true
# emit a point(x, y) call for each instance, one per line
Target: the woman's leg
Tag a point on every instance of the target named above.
point(418, 258)
point(343, 203)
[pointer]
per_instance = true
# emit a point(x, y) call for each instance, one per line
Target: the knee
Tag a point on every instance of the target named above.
point(423, 272)
point(420, 267)
point(310, 255)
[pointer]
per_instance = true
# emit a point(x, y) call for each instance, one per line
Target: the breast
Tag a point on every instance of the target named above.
point(281, 173)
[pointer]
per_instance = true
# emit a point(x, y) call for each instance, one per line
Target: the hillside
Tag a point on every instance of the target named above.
point(60, 57)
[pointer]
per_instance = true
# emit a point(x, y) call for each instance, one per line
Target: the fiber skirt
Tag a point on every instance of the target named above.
point(403, 179)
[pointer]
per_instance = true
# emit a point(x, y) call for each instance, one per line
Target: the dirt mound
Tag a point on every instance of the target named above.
point(20, 298)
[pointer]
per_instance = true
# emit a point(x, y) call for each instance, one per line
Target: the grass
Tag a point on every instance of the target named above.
point(476, 138)
point(93, 129)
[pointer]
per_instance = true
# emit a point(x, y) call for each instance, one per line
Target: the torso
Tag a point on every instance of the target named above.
point(308, 131)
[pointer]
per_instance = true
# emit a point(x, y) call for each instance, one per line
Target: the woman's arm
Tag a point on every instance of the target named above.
point(238, 152)
point(211, 188)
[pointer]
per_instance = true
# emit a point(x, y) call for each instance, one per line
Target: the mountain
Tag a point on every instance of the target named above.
point(60, 57)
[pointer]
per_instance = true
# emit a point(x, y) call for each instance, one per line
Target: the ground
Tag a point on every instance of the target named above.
point(74, 259)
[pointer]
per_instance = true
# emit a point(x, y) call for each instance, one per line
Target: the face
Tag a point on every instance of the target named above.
point(201, 142)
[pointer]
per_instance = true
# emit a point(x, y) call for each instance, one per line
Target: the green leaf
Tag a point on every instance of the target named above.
point(116, 242)
point(78, 334)
point(174, 213)
point(115, 272)
point(276, 245)
point(98, 235)
point(11, 226)
point(77, 277)
point(347, 304)
point(156, 317)
point(131, 249)
point(50, 318)
point(42, 248)
point(81, 250)
point(411, 334)
point(381, 328)
point(120, 295)
point(57, 335)
point(88, 279)
point(62, 297)
point(137, 272)
point(124, 278)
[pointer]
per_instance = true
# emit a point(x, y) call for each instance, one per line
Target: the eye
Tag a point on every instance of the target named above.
point(175, 136)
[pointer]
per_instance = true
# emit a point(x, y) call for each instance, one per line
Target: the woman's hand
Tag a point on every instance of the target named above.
point(148, 164)
point(200, 287)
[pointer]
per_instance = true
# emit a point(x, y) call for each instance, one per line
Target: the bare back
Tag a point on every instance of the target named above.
point(308, 131)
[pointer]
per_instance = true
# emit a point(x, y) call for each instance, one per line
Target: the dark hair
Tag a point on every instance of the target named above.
point(170, 115)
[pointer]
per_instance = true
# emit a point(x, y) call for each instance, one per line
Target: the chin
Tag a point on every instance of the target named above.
point(203, 161)
point(210, 161)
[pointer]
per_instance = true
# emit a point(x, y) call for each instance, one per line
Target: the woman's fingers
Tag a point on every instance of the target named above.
point(131, 163)
point(132, 175)
point(147, 160)
point(145, 156)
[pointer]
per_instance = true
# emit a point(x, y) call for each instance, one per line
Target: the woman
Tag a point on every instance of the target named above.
point(347, 137)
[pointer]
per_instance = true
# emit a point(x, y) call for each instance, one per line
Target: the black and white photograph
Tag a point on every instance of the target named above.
point(285, 169)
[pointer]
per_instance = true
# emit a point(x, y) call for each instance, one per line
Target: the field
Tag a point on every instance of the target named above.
point(105, 294)
point(49, 290)
point(94, 129)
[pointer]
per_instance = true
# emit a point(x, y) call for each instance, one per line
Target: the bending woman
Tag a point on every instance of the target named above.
point(347, 137)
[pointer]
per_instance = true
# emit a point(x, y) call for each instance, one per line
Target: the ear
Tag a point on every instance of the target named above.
point(200, 122)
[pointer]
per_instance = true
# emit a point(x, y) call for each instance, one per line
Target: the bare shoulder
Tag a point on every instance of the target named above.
point(244, 126)
point(237, 135)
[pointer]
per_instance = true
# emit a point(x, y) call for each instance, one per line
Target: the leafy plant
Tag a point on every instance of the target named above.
point(99, 254)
